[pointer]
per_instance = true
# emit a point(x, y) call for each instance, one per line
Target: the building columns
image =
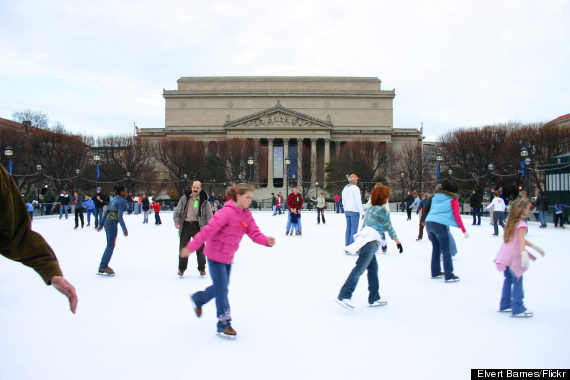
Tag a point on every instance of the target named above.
point(285, 155)
point(327, 159)
point(300, 162)
point(269, 162)
point(313, 161)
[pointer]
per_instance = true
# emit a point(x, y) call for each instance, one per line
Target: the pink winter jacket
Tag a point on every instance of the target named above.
point(510, 253)
point(224, 231)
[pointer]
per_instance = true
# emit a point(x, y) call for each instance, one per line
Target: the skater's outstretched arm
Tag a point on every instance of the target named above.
point(121, 209)
point(19, 243)
point(255, 234)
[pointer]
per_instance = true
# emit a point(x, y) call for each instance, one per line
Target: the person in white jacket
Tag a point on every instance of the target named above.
point(352, 201)
point(499, 207)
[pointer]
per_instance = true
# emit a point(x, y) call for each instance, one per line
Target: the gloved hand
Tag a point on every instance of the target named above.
point(524, 258)
point(399, 245)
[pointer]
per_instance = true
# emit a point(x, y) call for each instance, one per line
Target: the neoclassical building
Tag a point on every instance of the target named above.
point(300, 118)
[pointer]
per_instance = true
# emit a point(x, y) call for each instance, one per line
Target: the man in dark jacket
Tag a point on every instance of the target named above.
point(100, 201)
point(145, 205)
point(476, 205)
point(192, 213)
point(19, 243)
point(409, 201)
point(542, 206)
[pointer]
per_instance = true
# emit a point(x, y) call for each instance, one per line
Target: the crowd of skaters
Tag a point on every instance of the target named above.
point(215, 236)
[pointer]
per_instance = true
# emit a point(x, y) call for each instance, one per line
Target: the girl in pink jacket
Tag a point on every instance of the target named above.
point(513, 259)
point(222, 236)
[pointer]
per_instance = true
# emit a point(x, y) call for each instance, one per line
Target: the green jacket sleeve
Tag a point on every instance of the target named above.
point(17, 241)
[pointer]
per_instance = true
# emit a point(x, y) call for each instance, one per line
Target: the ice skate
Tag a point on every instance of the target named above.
point(197, 309)
point(453, 278)
point(378, 303)
point(228, 333)
point(507, 310)
point(345, 303)
point(524, 314)
point(106, 272)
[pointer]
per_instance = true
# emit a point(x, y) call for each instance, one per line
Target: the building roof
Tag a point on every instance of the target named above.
point(560, 118)
point(5, 123)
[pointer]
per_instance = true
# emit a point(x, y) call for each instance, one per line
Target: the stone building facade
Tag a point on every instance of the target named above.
point(300, 118)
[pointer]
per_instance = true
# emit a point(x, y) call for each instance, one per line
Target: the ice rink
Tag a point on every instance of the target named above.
point(140, 324)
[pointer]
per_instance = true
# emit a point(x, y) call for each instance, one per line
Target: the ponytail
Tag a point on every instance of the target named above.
point(238, 189)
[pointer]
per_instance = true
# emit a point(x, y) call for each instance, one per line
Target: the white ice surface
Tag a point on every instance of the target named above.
point(140, 325)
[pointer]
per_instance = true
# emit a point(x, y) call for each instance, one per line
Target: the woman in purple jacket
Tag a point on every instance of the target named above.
point(222, 236)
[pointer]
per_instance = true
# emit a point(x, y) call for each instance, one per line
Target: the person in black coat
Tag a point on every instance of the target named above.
point(145, 204)
point(100, 200)
point(409, 201)
point(476, 205)
point(542, 206)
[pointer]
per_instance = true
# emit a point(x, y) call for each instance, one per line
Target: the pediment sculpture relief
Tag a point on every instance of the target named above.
point(278, 119)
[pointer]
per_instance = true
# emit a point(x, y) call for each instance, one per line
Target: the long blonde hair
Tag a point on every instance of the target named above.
point(518, 208)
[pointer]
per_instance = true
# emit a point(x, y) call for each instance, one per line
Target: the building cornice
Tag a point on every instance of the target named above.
point(170, 94)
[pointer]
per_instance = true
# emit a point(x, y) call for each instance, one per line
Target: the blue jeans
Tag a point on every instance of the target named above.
point(89, 212)
point(111, 232)
point(351, 226)
point(98, 216)
point(63, 209)
point(439, 236)
point(476, 216)
point(498, 218)
point(145, 220)
point(288, 227)
point(220, 274)
point(452, 246)
point(366, 261)
point(542, 217)
point(513, 294)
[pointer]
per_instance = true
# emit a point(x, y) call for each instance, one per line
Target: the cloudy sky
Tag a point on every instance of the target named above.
point(99, 66)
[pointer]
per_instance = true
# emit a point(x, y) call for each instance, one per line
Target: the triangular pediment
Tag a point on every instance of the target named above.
point(278, 117)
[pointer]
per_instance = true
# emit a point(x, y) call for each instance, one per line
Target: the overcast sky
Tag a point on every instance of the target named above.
point(99, 66)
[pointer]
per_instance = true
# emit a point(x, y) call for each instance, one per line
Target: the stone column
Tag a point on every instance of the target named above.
point(285, 155)
point(313, 161)
point(327, 159)
point(300, 163)
point(270, 163)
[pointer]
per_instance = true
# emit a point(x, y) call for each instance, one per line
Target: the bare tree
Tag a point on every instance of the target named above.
point(181, 157)
point(37, 118)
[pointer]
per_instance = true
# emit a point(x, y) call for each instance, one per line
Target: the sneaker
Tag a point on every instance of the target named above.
point(345, 303)
point(440, 275)
point(507, 310)
point(197, 309)
point(228, 332)
point(453, 278)
point(524, 314)
point(106, 272)
point(202, 273)
point(378, 303)
point(384, 249)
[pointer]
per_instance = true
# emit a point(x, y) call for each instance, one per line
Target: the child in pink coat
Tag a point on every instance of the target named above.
point(222, 236)
point(513, 259)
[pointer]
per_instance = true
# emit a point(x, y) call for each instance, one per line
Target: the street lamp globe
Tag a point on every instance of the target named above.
point(77, 171)
point(97, 157)
point(439, 156)
point(250, 161)
point(402, 175)
point(185, 176)
point(8, 151)
point(316, 184)
point(527, 161)
point(524, 152)
point(491, 167)
point(128, 174)
point(287, 161)
point(450, 172)
point(38, 168)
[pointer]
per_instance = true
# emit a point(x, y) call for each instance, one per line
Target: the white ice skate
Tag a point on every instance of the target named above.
point(345, 303)
point(524, 314)
point(378, 303)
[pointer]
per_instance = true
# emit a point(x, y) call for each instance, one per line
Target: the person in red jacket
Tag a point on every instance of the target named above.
point(156, 206)
point(294, 204)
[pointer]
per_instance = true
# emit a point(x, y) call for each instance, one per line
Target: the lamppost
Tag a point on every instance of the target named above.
point(491, 167)
point(317, 189)
point(128, 181)
point(97, 158)
point(185, 180)
point(438, 158)
point(527, 162)
point(402, 175)
point(524, 156)
point(250, 163)
point(287, 163)
point(77, 172)
point(450, 172)
point(9, 152)
point(39, 172)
